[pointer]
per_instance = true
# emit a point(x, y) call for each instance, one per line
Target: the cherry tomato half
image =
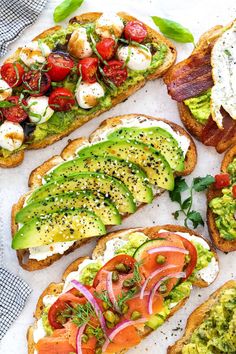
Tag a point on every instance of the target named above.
point(36, 83)
point(222, 180)
point(106, 48)
point(135, 31)
point(12, 73)
point(234, 191)
point(115, 72)
point(17, 112)
point(61, 99)
point(59, 66)
point(88, 68)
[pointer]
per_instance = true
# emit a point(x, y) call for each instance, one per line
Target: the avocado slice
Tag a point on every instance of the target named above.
point(150, 160)
point(130, 174)
point(158, 138)
point(96, 203)
point(58, 227)
point(111, 187)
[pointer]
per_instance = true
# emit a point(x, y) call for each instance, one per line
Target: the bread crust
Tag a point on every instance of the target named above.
point(220, 243)
point(197, 317)
point(54, 289)
point(192, 125)
point(17, 158)
point(35, 180)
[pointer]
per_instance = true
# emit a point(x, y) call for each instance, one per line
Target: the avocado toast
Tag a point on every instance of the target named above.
point(171, 256)
point(104, 176)
point(222, 206)
point(49, 105)
point(211, 328)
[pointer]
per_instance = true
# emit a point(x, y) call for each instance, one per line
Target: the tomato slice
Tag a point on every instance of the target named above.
point(222, 180)
point(36, 83)
point(234, 191)
point(106, 48)
point(61, 99)
point(16, 113)
point(59, 65)
point(126, 338)
point(135, 31)
point(12, 73)
point(88, 68)
point(115, 72)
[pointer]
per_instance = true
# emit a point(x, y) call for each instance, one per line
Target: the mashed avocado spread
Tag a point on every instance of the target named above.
point(225, 208)
point(217, 334)
point(200, 106)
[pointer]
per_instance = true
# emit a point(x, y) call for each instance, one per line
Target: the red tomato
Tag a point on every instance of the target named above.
point(234, 191)
point(88, 68)
point(61, 99)
point(59, 66)
point(36, 83)
point(115, 72)
point(12, 73)
point(17, 112)
point(106, 48)
point(135, 31)
point(222, 180)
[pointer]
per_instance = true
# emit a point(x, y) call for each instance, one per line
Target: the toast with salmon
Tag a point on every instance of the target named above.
point(59, 102)
point(218, 206)
point(127, 174)
point(114, 251)
point(190, 83)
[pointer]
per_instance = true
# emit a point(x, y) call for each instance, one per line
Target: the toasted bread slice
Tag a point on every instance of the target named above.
point(193, 126)
point(36, 176)
point(220, 243)
point(17, 158)
point(197, 317)
point(54, 289)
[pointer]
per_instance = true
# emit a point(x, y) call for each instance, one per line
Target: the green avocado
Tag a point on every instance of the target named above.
point(130, 174)
point(158, 138)
point(224, 207)
point(98, 182)
point(216, 334)
point(150, 160)
point(96, 203)
point(67, 226)
point(89, 272)
point(200, 106)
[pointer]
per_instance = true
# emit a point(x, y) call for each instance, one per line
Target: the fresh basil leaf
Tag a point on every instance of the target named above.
point(64, 9)
point(186, 203)
point(196, 218)
point(6, 104)
point(201, 183)
point(180, 186)
point(173, 30)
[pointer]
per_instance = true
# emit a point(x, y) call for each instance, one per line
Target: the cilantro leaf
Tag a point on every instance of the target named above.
point(186, 203)
point(201, 183)
point(196, 218)
point(180, 186)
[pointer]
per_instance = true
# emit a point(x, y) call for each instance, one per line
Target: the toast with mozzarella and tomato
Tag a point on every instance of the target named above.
point(201, 84)
point(221, 199)
point(224, 297)
point(122, 166)
point(134, 281)
point(67, 76)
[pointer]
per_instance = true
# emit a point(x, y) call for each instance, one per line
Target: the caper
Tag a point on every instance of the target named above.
point(89, 331)
point(117, 319)
point(110, 316)
point(84, 338)
point(125, 308)
point(115, 276)
point(109, 324)
point(162, 289)
point(120, 267)
point(160, 259)
point(98, 351)
point(105, 305)
point(128, 283)
point(135, 315)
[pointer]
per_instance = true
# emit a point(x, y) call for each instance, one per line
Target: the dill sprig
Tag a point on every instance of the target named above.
point(104, 297)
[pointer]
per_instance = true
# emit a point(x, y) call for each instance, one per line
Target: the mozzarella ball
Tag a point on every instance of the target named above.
point(139, 58)
point(39, 110)
point(34, 53)
point(5, 90)
point(79, 45)
point(11, 135)
point(109, 25)
point(87, 95)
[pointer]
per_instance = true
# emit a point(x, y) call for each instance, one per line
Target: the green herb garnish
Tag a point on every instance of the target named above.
point(104, 297)
point(64, 9)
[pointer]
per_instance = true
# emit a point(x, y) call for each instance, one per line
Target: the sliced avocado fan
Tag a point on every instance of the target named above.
point(111, 187)
point(67, 226)
point(149, 159)
point(158, 138)
point(130, 174)
point(96, 203)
